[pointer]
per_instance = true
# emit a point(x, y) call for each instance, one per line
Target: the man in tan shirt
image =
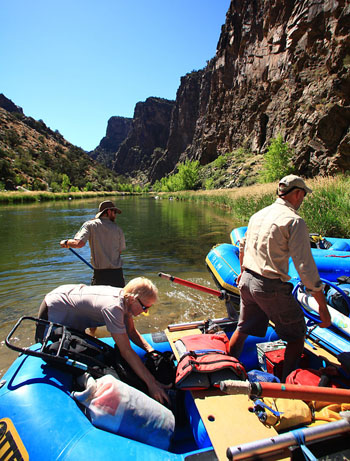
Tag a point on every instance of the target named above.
point(106, 241)
point(275, 234)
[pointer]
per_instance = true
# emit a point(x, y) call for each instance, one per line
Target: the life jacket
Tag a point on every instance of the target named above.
point(204, 362)
point(324, 377)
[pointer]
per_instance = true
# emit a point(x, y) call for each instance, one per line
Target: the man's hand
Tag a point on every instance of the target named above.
point(325, 320)
point(322, 309)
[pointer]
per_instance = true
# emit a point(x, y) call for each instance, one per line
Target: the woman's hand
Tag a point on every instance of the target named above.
point(157, 392)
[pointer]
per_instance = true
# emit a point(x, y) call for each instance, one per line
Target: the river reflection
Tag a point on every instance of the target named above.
point(161, 236)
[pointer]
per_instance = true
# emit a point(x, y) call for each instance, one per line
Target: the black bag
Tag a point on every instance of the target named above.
point(317, 241)
point(101, 358)
point(80, 348)
point(162, 366)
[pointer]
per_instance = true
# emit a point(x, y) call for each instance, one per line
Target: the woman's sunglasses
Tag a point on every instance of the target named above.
point(144, 308)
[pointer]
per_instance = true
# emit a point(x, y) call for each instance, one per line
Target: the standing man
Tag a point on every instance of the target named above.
point(274, 234)
point(106, 241)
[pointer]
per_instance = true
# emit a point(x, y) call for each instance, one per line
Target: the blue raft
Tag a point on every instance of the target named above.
point(40, 419)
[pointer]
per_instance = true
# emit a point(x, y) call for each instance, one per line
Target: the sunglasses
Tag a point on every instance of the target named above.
point(144, 308)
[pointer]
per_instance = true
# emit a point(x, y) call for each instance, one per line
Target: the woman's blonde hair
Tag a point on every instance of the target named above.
point(142, 287)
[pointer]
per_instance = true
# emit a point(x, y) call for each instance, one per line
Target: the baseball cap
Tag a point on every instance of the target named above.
point(291, 182)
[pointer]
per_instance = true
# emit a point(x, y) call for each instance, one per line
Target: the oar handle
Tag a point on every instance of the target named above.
point(196, 286)
point(286, 391)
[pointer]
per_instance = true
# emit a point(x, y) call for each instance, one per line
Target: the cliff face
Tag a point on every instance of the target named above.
point(281, 67)
point(117, 131)
point(182, 125)
point(147, 137)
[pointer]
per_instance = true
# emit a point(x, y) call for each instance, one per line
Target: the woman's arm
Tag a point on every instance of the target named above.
point(135, 336)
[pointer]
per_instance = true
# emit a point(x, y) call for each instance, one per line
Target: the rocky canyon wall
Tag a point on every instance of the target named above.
point(281, 67)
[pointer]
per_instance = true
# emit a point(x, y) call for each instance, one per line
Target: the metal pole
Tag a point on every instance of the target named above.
point(283, 441)
point(80, 257)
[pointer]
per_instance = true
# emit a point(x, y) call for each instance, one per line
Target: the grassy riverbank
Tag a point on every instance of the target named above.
point(42, 196)
point(326, 211)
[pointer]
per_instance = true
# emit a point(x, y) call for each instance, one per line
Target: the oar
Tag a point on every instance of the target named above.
point(231, 311)
point(196, 286)
point(286, 391)
point(80, 257)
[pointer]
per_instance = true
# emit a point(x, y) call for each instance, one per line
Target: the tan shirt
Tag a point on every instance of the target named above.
point(106, 241)
point(274, 234)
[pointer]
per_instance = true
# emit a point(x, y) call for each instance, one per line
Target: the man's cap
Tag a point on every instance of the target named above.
point(106, 205)
point(291, 182)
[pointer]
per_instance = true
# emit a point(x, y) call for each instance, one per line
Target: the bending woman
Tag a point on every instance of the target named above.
point(85, 306)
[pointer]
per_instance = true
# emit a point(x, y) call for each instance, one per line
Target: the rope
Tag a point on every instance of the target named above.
point(300, 439)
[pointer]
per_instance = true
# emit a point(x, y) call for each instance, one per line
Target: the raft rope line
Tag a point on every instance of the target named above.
point(300, 439)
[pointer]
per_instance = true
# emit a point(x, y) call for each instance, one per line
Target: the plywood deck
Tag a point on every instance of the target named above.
point(226, 418)
point(321, 353)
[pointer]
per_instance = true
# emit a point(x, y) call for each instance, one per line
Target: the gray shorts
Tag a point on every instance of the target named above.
point(264, 299)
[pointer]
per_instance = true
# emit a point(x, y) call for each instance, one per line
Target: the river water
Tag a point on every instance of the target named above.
point(161, 236)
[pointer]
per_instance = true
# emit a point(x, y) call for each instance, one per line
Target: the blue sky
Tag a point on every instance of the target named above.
point(76, 63)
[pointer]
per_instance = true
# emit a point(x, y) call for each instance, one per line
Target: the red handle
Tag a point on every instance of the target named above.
point(196, 286)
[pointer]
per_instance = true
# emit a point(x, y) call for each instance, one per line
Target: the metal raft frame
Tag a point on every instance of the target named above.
point(297, 438)
point(62, 358)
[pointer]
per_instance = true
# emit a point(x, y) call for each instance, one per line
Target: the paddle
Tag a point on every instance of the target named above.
point(286, 391)
point(80, 257)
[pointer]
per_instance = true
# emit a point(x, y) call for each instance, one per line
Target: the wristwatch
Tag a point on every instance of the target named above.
point(66, 243)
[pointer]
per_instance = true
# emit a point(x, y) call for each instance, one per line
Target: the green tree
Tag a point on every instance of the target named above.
point(188, 175)
point(65, 183)
point(88, 186)
point(277, 161)
point(186, 178)
point(55, 187)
